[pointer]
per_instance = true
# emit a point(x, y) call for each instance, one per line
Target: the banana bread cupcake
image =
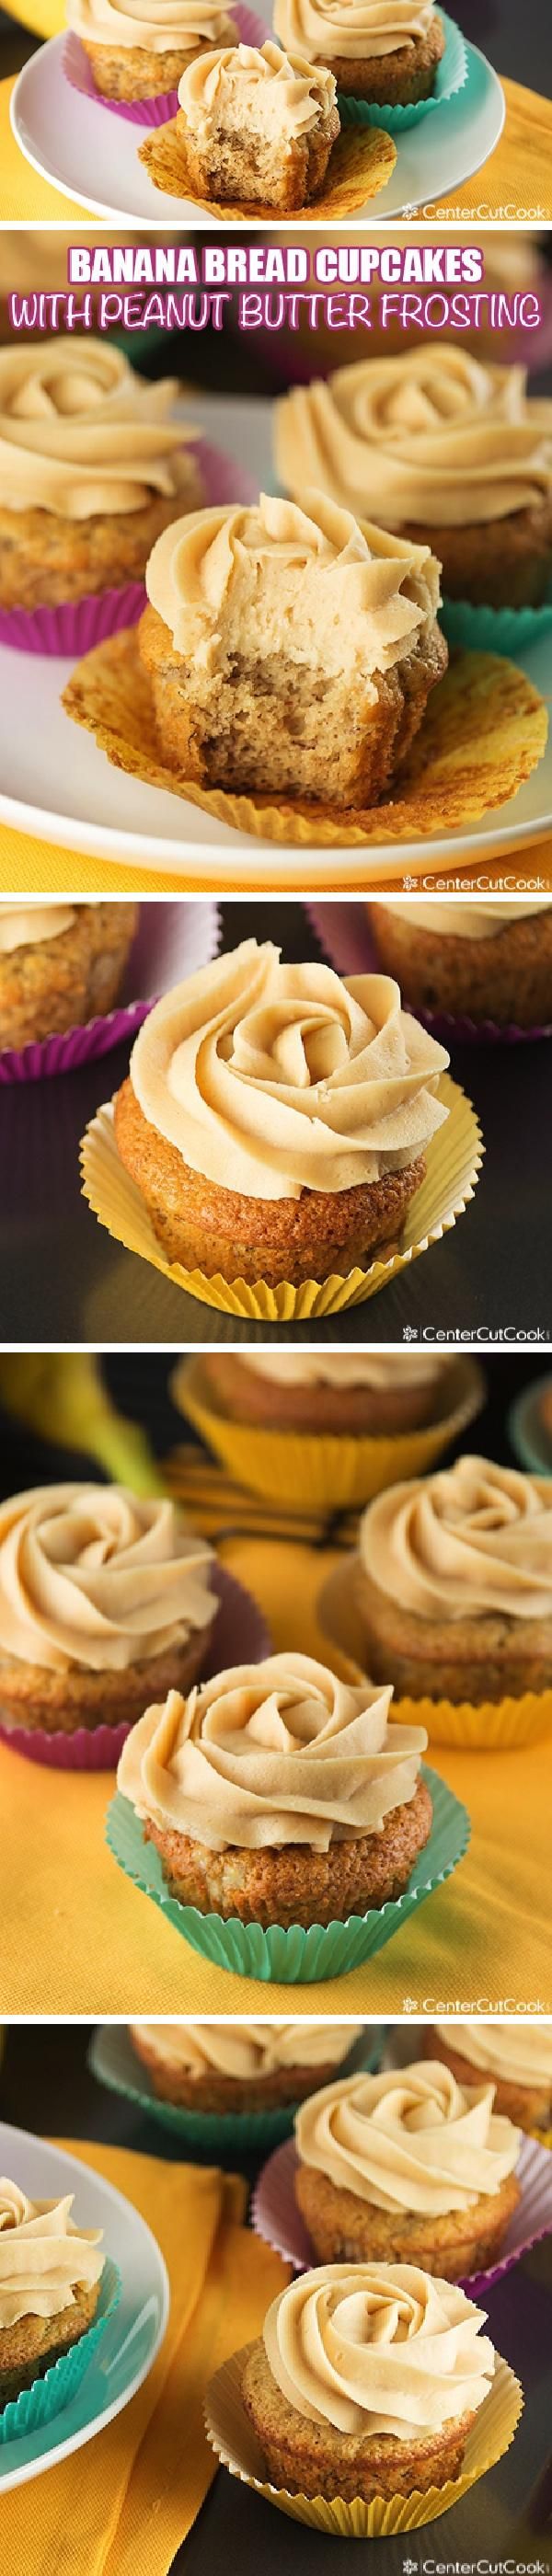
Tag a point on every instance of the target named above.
point(275, 1119)
point(50, 2274)
point(378, 1392)
point(453, 1583)
point(407, 2167)
point(491, 959)
point(104, 1597)
point(243, 2065)
point(60, 965)
point(91, 469)
point(384, 51)
point(277, 1794)
point(443, 449)
point(516, 2057)
point(366, 2381)
point(289, 651)
point(254, 124)
point(143, 49)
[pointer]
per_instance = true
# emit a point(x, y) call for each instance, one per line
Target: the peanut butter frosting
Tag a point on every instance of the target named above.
point(158, 26)
point(24, 925)
point(482, 920)
point(472, 1540)
point(408, 2141)
point(270, 1079)
point(519, 2051)
point(275, 578)
point(43, 2257)
point(380, 1370)
point(248, 2049)
point(432, 437)
point(378, 2348)
point(81, 433)
point(95, 1576)
point(271, 1753)
point(284, 95)
point(356, 30)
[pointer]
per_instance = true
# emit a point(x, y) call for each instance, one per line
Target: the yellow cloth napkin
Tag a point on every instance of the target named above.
point(123, 2505)
point(30, 866)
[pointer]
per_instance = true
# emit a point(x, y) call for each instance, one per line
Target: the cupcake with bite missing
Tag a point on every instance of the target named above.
point(410, 2166)
point(245, 2066)
point(50, 2278)
point(453, 1584)
point(514, 2056)
point(490, 960)
point(60, 965)
point(92, 468)
point(104, 1596)
point(386, 52)
point(142, 50)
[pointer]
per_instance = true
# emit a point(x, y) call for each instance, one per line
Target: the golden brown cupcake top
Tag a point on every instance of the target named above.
point(518, 2051)
point(93, 1576)
point(43, 2257)
point(471, 1540)
point(310, 582)
point(270, 1079)
point(484, 919)
point(357, 30)
point(378, 2348)
point(271, 1753)
point(380, 1370)
point(284, 94)
point(411, 2139)
point(246, 2050)
point(23, 925)
point(159, 26)
point(434, 436)
point(81, 433)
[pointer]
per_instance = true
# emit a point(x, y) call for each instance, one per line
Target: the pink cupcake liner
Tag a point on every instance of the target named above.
point(172, 940)
point(240, 1635)
point(345, 936)
point(275, 2216)
point(146, 111)
point(78, 624)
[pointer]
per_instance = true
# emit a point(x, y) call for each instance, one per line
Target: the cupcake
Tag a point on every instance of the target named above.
point(91, 469)
point(516, 2057)
point(384, 51)
point(453, 1584)
point(289, 651)
point(142, 51)
point(375, 1392)
point(60, 965)
point(444, 450)
point(407, 2167)
point(491, 959)
point(104, 1597)
point(240, 2066)
point(366, 2381)
point(275, 1119)
point(50, 2274)
point(256, 124)
point(277, 1794)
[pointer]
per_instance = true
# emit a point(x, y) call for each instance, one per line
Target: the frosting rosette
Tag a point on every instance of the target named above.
point(481, 920)
point(353, 30)
point(23, 925)
point(249, 2049)
point(284, 94)
point(411, 2140)
point(158, 26)
point(94, 1576)
point(520, 2051)
point(43, 2257)
point(378, 2348)
point(254, 579)
point(81, 433)
point(270, 1079)
point(432, 438)
point(380, 1370)
point(470, 1541)
point(268, 1754)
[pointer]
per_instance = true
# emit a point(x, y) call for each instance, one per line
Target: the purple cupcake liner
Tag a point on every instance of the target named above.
point(351, 950)
point(159, 951)
point(275, 2216)
point(146, 111)
point(240, 1635)
point(78, 624)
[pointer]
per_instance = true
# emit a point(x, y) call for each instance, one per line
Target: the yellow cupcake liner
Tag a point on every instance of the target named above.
point(491, 1726)
point(360, 164)
point(453, 1159)
point(236, 2446)
point(321, 1472)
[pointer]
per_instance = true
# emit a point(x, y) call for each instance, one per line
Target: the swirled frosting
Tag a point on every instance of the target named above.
point(283, 95)
point(161, 26)
point(271, 1079)
point(356, 30)
point(519, 2051)
point(378, 2348)
point(380, 1370)
point(469, 1541)
point(308, 581)
point(464, 920)
point(43, 2257)
point(94, 1576)
point(412, 2140)
point(431, 437)
point(271, 1753)
point(23, 925)
point(80, 432)
point(248, 2050)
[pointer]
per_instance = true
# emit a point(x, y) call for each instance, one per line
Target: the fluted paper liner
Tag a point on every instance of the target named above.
point(361, 162)
point(486, 1726)
point(484, 731)
point(240, 1633)
point(543, 2137)
point(233, 2439)
point(450, 77)
point(453, 1164)
point(322, 1471)
point(276, 2216)
point(114, 2062)
point(58, 2386)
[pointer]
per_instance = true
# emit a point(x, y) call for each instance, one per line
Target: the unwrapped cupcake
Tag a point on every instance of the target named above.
point(514, 2056)
point(50, 2276)
point(490, 960)
point(255, 123)
point(104, 1596)
point(60, 965)
point(384, 51)
point(409, 2166)
point(240, 2066)
point(453, 1584)
point(143, 49)
point(92, 467)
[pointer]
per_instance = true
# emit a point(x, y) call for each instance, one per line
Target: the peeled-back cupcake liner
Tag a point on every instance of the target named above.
point(527, 1432)
point(344, 933)
point(276, 2217)
point(296, 1956)
point(321, 1472)
point(240, 1633)
point(157, 109)
point(58, 2386)
point(171, 940)
point(359, 166)
point(453, 1160)
point(114, 2062)
point(487, 1726)
point(77, 625)
point(451, 75)
point(494, 630)
point(235, 2443)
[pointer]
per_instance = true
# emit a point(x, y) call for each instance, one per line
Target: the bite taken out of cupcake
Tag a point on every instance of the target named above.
point(241, 2066)
point(453, 1584)
point(50, 2277)
point(143, 49)
point(514, 2056)
point(407, 2166)
point(93, 465)
point(386, 52)
point(104, 1597)
point(487, 960)
point(256, 125)
point(60, 965)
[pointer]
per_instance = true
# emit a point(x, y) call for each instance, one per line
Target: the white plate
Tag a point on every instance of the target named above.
point(84, 149)
point(134, 2335)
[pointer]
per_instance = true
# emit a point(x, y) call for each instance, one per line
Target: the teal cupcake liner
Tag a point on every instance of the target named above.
point(527, 1433)
point(295, 1957)
point(494, 630)
point(217, 2133)
point(451, 76)
point(47, 2397)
